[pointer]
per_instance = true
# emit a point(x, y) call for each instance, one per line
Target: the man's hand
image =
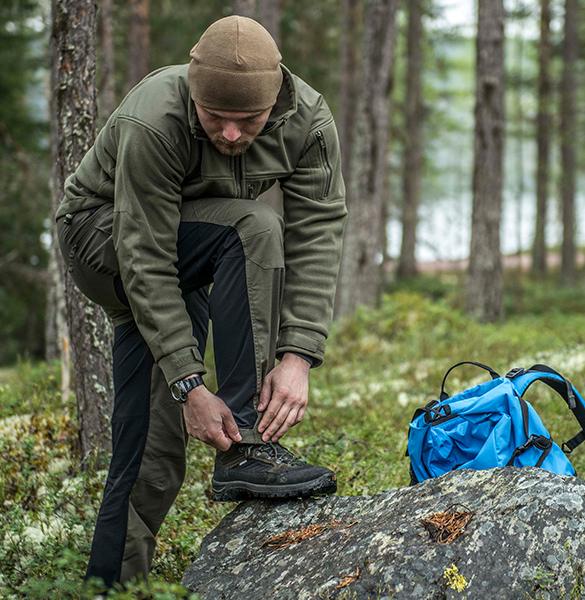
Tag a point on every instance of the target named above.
point(284, 397)
point(208, 419)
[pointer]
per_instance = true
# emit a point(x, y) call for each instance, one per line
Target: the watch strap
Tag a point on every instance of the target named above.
point(182, 387)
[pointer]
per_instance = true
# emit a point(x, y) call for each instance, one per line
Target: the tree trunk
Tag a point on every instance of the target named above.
point(413, 144)
point(361, 272)
point(106, 89)
point(244, 8)
point(269, 14)
point(543, 126)
point(348, 98)
point(73, 114)
point(138, 42)
point(348, 92)
point(52, 334)
point(484, 284)
point(519, 134)
point(568, 148)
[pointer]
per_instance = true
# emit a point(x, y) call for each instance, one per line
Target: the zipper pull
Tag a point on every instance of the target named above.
point(319, 134)
point(250, 191)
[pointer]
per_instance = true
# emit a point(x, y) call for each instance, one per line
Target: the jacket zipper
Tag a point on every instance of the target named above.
point(238, 176)
point(325, 158)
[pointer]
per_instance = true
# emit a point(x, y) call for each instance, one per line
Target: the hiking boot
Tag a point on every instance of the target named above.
point(267, 471)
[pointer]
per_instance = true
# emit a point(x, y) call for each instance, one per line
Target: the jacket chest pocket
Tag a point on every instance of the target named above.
point(325, 164)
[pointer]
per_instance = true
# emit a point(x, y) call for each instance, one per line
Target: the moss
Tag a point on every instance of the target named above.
point(379, 366)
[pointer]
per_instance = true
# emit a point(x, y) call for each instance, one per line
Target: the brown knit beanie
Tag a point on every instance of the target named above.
point(235, 65)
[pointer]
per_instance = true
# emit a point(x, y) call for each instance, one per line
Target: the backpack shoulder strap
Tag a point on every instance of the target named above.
point(524, 378)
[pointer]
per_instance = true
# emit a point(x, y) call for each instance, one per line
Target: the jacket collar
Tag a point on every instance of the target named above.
point(285, 106)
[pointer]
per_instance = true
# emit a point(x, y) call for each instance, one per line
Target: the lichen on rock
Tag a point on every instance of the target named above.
point(526, 522)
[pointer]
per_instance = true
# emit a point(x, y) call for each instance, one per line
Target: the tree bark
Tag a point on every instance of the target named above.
point(138, 42)
point(411, 176)
point(51, 333)
point(73, 116)
point(484, 283)
point(568, 149)
point(348, 98)
point(244, 8)
point(106, 89)
point(543, 127)
point(348, 91)
point(361, 270)
point(269, 14)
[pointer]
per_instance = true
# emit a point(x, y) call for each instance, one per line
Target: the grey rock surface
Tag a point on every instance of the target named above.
point(526, 539)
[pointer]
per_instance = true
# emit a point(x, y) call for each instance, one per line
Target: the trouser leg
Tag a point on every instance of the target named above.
point(247, 270)
point(133, 364)
point(163, 466)
point(250, 235)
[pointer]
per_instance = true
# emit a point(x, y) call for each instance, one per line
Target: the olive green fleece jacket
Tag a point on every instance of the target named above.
point(152, 155)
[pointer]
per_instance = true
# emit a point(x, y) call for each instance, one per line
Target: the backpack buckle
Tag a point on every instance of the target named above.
point(433, 411)
point(515, 372)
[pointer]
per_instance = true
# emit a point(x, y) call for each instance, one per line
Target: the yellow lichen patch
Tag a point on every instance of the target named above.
point(454, 579)
point(294, 536)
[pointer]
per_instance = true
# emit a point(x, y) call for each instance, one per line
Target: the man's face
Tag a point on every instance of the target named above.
point(229, 131)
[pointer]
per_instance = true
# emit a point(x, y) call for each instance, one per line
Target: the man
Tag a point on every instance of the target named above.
point(161, 207)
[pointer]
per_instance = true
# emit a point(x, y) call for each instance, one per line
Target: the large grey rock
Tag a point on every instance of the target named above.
point(526, 539)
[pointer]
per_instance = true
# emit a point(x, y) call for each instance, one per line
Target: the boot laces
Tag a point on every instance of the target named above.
point(278, 452)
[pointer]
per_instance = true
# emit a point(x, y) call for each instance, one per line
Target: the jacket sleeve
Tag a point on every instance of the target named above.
point(314, 217)
point(147, 208)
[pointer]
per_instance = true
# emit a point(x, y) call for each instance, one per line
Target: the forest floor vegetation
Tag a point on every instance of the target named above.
point(380, 365)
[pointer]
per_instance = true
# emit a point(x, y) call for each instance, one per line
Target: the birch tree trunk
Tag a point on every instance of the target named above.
point(568, 148)
point(73, 115)
point(361, 272)
point(484, 282)
point(543, 127)
point(52, 334)
point(138, 42)
point(411, 176)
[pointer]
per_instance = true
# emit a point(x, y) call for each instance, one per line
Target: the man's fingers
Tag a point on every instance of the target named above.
point(301, 414)
point(229, 424)
point(272, 409)
point(265, 394)
point(220, 440)
point(276, 422)
point(289, 422)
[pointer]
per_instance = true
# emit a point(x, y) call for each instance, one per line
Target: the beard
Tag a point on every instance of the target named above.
point(230, 149)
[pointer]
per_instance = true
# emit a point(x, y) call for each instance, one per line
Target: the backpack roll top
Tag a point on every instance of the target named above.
point(491, 425)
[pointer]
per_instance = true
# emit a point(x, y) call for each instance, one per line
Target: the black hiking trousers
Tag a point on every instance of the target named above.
point(231, 270)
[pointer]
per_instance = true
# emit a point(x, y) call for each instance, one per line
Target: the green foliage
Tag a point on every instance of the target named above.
point(24, 193)
point(380, 366)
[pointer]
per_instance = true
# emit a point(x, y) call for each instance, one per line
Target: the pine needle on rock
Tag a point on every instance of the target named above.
point(445, 527)
point(294, 536)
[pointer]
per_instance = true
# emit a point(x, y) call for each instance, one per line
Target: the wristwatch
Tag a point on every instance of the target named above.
point(181, 388)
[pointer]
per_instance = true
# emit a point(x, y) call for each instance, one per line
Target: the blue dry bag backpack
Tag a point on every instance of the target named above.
point(491, 425)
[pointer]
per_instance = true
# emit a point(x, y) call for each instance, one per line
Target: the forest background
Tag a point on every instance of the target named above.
point(423, 283)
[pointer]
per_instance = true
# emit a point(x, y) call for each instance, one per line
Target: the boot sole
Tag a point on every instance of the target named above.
point(243, 490)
